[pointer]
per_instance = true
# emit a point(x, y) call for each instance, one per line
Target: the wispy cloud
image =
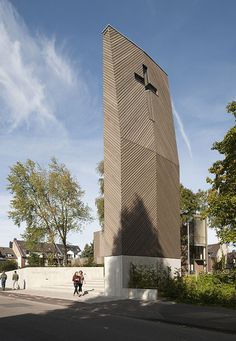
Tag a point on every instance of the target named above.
point(32, 73)
point(57, 63)
point(182, 130)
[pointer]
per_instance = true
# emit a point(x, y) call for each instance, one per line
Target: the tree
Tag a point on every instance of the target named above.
point(100, 200)
point(48, 201)
point(222, 195)
point(8, 265)
point(201, 197)
point(188, 207)
point(88, 251)
point(190, 204)
point(34, 260)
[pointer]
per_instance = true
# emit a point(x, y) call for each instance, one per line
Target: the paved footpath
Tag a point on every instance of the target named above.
point(22, 318)
point(203, 317)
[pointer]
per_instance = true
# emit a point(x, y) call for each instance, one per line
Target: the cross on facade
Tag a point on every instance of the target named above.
point(144, 80)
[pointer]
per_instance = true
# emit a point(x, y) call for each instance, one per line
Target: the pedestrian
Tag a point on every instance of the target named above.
point(76, 280)
point(15, 278)
point(81, 281)
point(3, 278)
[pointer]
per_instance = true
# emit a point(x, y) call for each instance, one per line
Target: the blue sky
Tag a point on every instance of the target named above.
point(51, 83)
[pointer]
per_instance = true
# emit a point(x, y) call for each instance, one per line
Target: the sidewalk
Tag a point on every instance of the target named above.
point(92, 296)
point(204, 317)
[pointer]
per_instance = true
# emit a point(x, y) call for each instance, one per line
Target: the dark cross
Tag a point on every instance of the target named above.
point(144, 80)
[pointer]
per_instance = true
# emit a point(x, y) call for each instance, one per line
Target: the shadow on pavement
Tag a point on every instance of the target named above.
point(66, 320)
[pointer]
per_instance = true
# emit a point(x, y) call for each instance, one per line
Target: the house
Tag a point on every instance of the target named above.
point(216, 253)
point(48, 254)
point(231, 260)
point(6, 253)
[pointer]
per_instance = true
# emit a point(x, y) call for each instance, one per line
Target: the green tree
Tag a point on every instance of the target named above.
point(188, 207)
point(48, 201)
point(88, 251)
point(201, 197)
point(189, 203)
point(100, 200)
point(222, 195)
point(8, 265)
point(34, 260)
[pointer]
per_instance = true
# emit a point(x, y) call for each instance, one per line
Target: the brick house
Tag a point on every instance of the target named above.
point(216, 252)
point(49, 254)
point(6, 253)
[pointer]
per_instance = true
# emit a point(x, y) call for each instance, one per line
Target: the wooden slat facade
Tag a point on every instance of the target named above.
point(141, 167)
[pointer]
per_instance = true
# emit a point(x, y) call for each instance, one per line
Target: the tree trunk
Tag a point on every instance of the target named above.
point(56, 253)
point(64, 253)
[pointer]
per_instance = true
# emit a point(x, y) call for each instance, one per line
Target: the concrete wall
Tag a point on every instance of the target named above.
point(117, 271)
point(18, 254)
point(43, 277)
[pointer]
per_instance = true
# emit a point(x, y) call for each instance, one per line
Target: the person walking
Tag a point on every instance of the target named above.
point(81, 282)
point(76, 280)
point(15, 278)
point(3, 278)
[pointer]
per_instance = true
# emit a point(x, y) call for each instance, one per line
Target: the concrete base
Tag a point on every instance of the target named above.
point(117, 270)
point(143, 294)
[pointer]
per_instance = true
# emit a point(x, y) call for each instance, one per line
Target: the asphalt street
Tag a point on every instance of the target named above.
point(25, 319)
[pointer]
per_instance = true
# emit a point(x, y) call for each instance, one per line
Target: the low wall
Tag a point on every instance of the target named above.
point(117, 272)
point(143, 294)
point(49, 276)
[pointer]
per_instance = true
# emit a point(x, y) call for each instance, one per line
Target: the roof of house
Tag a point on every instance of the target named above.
point(7, 253)
point(232, 254)
point(213, 249)
point(45, 248)
point(73, 248)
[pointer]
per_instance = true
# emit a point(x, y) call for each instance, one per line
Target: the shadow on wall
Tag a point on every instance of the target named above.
point(138, 236)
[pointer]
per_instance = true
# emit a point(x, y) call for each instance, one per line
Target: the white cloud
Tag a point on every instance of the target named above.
point(32, 73)
point(182, 130)
point(46, 109)
point(59, 65)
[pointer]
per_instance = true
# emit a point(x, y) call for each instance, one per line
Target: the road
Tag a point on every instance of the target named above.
point(31, 320)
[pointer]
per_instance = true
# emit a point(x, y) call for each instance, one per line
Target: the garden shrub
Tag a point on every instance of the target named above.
point(217, 289)
point(8, 265)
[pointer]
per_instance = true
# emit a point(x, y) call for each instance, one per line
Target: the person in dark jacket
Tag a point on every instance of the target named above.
point(76, 280)
point(81, 281)
point(3, 278)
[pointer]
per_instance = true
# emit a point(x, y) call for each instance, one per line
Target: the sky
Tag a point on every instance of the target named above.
point(51, 84)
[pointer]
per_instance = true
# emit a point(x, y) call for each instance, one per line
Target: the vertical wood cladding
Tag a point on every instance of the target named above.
point(141, 161)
